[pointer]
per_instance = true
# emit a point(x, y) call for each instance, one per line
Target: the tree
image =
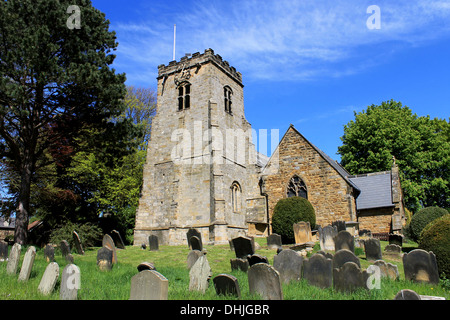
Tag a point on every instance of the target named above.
point(55, 85)
point(420, 145)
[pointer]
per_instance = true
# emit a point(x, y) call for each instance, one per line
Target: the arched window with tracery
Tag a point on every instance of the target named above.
point(297, 188)
point(236, 197)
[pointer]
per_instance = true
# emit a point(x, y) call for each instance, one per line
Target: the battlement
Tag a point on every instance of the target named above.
point(196, 61)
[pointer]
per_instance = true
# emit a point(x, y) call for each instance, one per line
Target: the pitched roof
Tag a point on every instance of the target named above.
point(376, 190)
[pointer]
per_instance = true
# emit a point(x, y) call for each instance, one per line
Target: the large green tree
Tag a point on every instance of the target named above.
point(420, 145)
point(56, 84)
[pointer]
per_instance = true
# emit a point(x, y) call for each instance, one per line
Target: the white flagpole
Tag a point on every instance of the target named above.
point(174, 39)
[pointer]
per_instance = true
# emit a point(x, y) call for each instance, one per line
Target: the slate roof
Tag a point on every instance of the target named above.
point(376, 190)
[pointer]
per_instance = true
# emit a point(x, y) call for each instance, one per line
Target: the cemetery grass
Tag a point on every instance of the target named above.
point(171, 262)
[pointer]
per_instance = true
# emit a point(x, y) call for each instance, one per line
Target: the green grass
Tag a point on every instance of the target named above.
point(170, 261)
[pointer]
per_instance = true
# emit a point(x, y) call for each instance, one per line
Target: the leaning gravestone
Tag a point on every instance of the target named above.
point(199, 275)
point(117, 239)
point(65, 248)
point(78, 244)
point(27, 264)
point(146, 266)
point(108, 242)
point(192, 258)
point(318, 271)
point(3, 250)
point(191, 233)
point(227, 285)
point(274, 241)
point(13, 260)
point(344, 240)
point(349, 278)
point(195, 243)
point(326, 236)
point(153, 242)
point(343, 256)
point(48, 280)
point(149, 285)
point(243, 247)
point(302, 232)
point(70, 283)
point(421, 266)
point(372, 248)
point(239, 264)
point(256, 258)
point(49, 252)
point(263, 279)
point(388, 270)
point(289, 264)
point(104, 259)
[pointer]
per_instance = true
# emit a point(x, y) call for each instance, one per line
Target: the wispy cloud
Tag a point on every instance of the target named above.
point(280, 39)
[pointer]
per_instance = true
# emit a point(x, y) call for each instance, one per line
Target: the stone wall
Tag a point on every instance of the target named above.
point(376, 220)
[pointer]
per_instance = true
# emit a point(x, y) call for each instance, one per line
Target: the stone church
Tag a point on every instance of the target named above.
point(203, 171)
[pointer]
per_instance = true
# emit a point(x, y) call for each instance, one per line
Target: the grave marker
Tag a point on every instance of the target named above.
point(274, 241)
point(193, 232)
point(318, 271)
point(105, 259)
point(48, 280)
point(27, 264)
point(65, 248)
point(153, 242)
point(302, 232)
point(344, 240)
point(289, 265)
point(226, 284)
point(78, 244)
point(192, 258)
point(146, 266)
point(256, 258)
point(372, 249)
point(195, 243)
point(3, 250)
point(117, 239)
point(239, 264)
point(343, 256)
point(326, 237)
point(243, 247)
point(149, 285)
point(421, 266)
point(199, 275)
point(108, 242)
point(13, 260)
point(70, 282)
point(263, 279)
point(49, 252)
point(349, 277)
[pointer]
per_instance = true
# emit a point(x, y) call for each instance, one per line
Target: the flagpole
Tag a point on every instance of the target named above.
point(174, 39)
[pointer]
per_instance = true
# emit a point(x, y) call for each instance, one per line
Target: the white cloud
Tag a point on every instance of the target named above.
point(279, 39)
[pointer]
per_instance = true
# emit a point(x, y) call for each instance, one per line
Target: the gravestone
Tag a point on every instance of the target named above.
point(302, 232)
point(318, 271)
point(227, 285)
point(199, 275)
point(192, 258)
point(340, 225)
point(396, 239)
point(191, 233)
point(65, 248)
point(27, 264)
point(146, 266)
point(343, 256)
point(149, 285)
point(372, 249)
point(393, 249)
point(407, 294)
point(288, 263)
point(243, 247)
point(326, 237)
point(49, 252)
point(239, 264)
point(195, 243)
point(256, 258)
point(70, 282)
point(69, 258)
point(108, 242)
point(153, 242)
point(274, 241)
point(263, 279)
point(13, 260)
point(349, 278)
point(344, 240)
point(117, 239)
point(366, 233)
point(48, 280)
point(420, 266)
point(388, 270)
point(105, 259)
point(326, 254)
point(78, 244)
point(3, 250)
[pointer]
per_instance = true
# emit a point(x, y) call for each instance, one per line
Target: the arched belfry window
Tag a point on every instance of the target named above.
point(228, 93)
point(297, 188)
point(236, 197)
point(184, 96)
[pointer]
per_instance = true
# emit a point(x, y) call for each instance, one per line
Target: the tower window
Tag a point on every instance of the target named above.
point(297, 188)
point(184, 96)
point(227, 98)
point(236, 197)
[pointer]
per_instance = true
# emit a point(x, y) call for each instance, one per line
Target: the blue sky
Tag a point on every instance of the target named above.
point(309, 63)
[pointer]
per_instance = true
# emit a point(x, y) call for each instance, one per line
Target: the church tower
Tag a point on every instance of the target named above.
point(201, 169)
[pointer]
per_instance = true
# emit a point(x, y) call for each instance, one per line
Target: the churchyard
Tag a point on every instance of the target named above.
point(180, 273)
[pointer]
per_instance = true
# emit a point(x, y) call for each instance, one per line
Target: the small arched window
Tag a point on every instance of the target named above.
point(297, 188)
point(184, 96)
point(228, 93)
point(236, 197)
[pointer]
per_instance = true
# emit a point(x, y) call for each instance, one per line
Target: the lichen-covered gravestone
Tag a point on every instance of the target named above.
point(27, 264)
point(199, 275)
point(49, 252)
point(421, 266)
point(289, 264)
point(263, 279)
point(318, 271)
point(48, 280)
point(149, 285)
point(302, 232)
point(108, 242)
point(13, 260)
point(104, 259)
point(326, 236)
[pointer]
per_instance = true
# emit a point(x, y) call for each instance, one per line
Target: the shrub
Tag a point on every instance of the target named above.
point(436, 237)
point(422, 218)
point(90, 234)
point(289, 211)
